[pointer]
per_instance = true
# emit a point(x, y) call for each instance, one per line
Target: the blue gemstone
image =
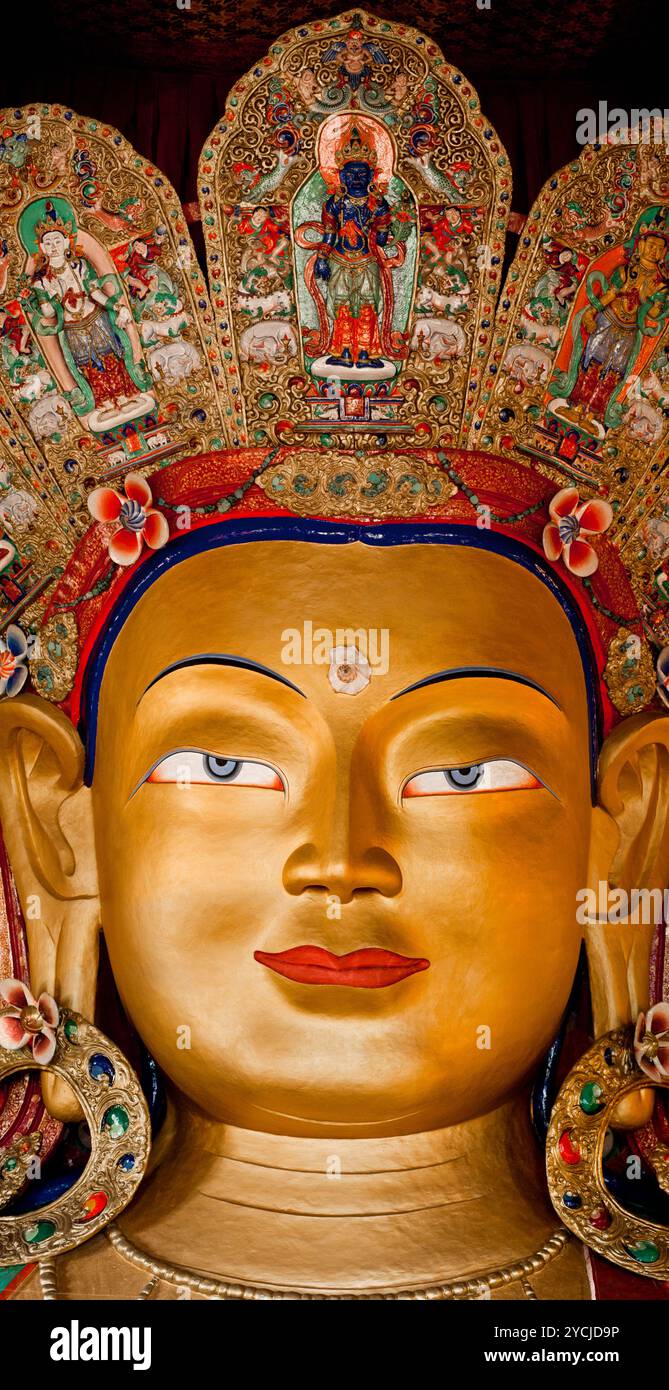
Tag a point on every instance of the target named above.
point(608, 1053)
point(571, 1200)
point(126, 1162)
point(101, 1068)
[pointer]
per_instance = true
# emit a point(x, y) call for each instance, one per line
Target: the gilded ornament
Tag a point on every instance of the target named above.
point(118, 1124)
point(337, 484)
point(629, 673)
point(575, 1148)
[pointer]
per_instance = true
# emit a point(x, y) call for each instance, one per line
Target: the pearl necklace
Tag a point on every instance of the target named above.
point(475, 1288)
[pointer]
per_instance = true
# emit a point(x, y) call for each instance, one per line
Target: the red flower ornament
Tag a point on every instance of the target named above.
point(570, 520)
point(27, 1022)
point(138, 520)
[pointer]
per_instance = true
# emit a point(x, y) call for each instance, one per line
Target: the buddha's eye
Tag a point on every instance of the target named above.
point(497, 775)
point(190, 767)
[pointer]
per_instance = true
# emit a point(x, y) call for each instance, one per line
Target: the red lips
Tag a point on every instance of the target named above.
point(368, 969)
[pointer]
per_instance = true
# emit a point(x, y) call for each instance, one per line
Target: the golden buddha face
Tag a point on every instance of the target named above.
point(246, 806)
point(652, 249)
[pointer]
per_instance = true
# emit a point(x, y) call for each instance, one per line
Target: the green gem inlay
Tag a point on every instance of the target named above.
point(116, 1121)
point(38, 1231)
point(591, 1098)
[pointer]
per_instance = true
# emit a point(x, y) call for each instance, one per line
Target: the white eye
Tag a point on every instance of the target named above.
point(191, 767)
point(498, 775)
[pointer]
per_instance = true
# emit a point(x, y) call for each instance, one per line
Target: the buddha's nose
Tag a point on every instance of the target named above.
point(343, 851)
point(342, 876)
point(346, 876)
point(343, 855)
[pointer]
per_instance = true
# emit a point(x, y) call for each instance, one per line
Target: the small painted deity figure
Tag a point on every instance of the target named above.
point(75, 303)
point(356, 54)
point(627, 308)
point(356, 225)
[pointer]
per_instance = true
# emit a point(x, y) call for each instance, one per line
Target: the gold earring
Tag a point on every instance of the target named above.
point(618, 1063)
point(37, 1035)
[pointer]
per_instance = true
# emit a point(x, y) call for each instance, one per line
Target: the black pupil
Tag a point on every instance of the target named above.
point(222, 769)
point(464, 776)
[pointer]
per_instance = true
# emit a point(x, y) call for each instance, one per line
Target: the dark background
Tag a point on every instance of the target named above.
point(161, 74)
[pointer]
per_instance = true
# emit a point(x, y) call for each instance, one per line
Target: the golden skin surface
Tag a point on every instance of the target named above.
point(195, 878)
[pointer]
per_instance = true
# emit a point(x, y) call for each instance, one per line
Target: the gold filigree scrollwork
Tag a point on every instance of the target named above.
point(629, 673)
point(118, 1122)
point(575, 1146)
point(338, 484)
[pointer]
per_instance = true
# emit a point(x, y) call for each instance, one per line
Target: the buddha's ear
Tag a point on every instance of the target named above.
point(629, 850)
point(47, 824)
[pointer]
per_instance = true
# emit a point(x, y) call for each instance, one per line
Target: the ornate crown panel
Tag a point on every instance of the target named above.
point(354, 203)
point(108, 359)
point(578, 380)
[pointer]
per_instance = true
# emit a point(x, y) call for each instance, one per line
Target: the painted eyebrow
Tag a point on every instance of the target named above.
point(487, 672)
point(243, 663)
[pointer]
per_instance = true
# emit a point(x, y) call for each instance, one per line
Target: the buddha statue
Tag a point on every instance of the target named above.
point(331, 897)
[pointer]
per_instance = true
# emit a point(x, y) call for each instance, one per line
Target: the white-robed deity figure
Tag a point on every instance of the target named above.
point(75, 303)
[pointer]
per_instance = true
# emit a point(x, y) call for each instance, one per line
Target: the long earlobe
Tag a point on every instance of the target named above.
point(629, 851)
point(48, 827)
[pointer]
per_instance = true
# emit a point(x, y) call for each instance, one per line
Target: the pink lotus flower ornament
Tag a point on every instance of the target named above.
point(13, 653)
point(651, 1042)
point(139, 522)
point(570, 520)
point(27, 1022)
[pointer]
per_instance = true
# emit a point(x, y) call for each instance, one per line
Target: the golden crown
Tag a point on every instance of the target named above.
point(255, 386)
point(355, 147)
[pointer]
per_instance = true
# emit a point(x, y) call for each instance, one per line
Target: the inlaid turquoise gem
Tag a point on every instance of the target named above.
point(71, 1030)
point(591, 1098)
point(10, 1165)
point(39, 1231)
point(645, 1252)
point(267, 400)
point(115, 1121)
